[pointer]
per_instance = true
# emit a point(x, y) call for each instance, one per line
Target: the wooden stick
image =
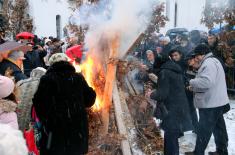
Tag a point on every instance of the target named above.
point(110, 78)
point(126, 149)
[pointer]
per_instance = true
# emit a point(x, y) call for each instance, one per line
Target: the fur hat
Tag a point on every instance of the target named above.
point(6, 86)
point(58, 57)
point(12, 141)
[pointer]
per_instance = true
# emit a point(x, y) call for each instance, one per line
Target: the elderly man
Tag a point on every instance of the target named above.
point(166, 44)
point(13, 65)
point(211, 99)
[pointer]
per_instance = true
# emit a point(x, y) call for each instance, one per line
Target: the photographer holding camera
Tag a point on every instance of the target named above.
point(34, 58)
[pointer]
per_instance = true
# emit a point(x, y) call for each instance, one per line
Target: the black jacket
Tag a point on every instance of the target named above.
point(171, 92)
point(167, 48)
point(60, 103)
point(33, 60)
point(17, 72)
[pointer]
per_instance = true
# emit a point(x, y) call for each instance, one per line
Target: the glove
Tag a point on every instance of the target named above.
point(153, 77)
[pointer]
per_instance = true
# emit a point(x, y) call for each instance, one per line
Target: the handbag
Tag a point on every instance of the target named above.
point(160, 111)
point(30, 141)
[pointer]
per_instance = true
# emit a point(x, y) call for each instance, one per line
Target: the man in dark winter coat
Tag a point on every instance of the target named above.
point(13, 65)
point(212, 100)
point(177, 56)
point(60, 103)
point(171, 93)
point(185, 44)
point(34, 59)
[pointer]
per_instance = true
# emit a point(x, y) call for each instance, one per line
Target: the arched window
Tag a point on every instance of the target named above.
point(58, 26)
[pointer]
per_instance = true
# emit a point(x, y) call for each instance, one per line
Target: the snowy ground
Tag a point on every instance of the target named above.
point(187, 142)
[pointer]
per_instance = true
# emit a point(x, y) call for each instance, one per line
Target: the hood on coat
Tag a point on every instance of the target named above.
point(171, 65)
point(7, 106)
point(38, 72)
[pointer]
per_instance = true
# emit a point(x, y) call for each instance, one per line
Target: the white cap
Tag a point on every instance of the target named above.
point(47, 40)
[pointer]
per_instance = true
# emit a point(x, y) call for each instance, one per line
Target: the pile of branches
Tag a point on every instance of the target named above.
point(150, 140)
point(109, 144)
point(141, 110)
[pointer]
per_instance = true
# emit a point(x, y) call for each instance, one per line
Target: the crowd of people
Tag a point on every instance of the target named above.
point(39, 97)
point(39, 92)
point(187, 77)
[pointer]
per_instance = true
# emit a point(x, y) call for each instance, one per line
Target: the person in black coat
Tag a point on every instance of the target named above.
point(171, 93)
point(12, 65)
point(177, 56)
point(60, 104)
point(34, 59)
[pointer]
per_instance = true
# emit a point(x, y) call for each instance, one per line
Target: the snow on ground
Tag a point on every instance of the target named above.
point(187, 143)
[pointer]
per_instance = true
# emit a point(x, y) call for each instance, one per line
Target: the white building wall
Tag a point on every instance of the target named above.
point(44, 15)
point(189, 14)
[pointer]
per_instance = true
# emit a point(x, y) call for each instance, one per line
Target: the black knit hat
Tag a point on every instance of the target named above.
point(201, 49)
point(189, 56)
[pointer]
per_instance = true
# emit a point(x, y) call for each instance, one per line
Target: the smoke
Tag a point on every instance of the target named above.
point(125, 18)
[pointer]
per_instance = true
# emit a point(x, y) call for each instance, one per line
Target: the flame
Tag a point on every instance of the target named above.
point(93, 73)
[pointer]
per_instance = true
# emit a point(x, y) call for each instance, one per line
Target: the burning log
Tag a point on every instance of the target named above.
point(110, 78)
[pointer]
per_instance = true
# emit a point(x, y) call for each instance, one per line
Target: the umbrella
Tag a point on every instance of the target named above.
point(12, 45)
point(25, 35)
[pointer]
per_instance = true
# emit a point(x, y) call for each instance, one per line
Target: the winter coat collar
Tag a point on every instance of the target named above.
point(170, 65)
point(7, 106)
point(12, 61)
point(206, 57)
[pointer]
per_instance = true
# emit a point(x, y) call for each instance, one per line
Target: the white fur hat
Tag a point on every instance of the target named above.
point(12, 141)
point(58, 57)
point(38, 72)
point(6, 86)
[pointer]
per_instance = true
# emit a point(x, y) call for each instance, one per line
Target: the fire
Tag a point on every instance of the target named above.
point(93, 73)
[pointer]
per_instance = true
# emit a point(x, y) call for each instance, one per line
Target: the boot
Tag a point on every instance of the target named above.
point(213, 153)
point(218, 153)
point(190, 153)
